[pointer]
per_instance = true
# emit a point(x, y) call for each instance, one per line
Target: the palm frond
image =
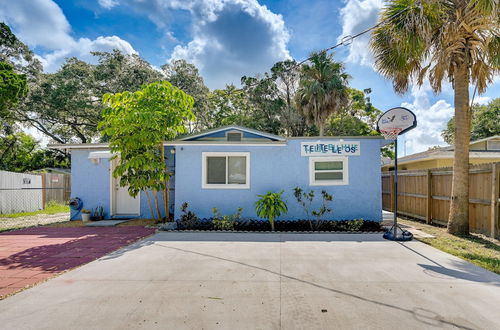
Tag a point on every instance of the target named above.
point(432, 38)
point(322, 88)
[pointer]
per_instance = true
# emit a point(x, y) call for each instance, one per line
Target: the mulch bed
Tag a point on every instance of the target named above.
point(32, 255)
point(253, 225)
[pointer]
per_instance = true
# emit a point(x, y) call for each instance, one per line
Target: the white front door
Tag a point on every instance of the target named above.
point(121, 202)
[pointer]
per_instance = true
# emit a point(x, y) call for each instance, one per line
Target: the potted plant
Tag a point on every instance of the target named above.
point(98, 214)
point(85, 215)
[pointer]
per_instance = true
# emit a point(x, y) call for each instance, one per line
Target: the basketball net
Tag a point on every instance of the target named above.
point(390, 133)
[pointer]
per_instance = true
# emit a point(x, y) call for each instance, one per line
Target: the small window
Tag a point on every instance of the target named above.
point(233, 136)
point(228, 170)
point(328, 171)
point(494, 145)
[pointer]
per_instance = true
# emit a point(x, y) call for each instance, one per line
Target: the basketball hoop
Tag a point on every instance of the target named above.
point(390, 133)
point(391, 124)
point(395, 122)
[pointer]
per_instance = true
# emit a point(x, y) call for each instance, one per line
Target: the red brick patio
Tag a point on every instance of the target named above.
point(33, 255)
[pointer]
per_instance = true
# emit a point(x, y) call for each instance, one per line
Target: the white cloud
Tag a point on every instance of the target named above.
point(41, 23)
point(357, 16)
point(42, 138)
point(107, 3)
point(230, 38)
point(482, 100)
point(37, 22)
point(82, 48)
point(431, 120)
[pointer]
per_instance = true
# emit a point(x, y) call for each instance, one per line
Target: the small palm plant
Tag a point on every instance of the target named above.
point(270, 206)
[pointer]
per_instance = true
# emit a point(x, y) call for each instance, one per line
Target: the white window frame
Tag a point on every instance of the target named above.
point(491, 142)
point(206, 185)
point(345, 171)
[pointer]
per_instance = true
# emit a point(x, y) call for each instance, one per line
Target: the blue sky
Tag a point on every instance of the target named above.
point(226, 39)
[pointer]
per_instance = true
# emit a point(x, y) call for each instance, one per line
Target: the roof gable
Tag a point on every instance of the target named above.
point(220, 134)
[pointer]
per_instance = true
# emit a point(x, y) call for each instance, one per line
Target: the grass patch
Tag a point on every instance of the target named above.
point(3, 230)
point(64, 224)
point(80, 223)
point(477, 249)
point(138, 222)
point(51, 208)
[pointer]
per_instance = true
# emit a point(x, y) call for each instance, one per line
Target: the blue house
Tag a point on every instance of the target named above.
point(228, 167)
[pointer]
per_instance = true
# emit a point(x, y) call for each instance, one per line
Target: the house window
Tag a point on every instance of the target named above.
point(493, 145)
point(233, 136)
point(226, 170)
point(328, 171)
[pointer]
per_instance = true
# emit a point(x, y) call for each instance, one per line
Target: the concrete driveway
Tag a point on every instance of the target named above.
point(263, 281)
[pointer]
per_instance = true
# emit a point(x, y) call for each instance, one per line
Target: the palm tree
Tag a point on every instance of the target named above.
point(454, 39)
point(323, 89)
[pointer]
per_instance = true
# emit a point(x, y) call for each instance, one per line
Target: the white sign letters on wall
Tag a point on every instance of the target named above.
point(335, 148)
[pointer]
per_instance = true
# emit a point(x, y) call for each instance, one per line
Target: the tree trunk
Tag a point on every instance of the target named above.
point(458, 220)
point(321, 127)
point(166, 190)
point(149, 203)
point(157, 204)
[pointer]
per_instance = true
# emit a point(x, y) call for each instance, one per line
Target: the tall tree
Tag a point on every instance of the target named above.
point(186, 77)
point(117, 72)
point(63, 105)
point(323, 89)
point(66, 105)
point(228, 106)
point(16, 53)
point(272, 96)
point(485, 122)
point(266, 105)
point(13, 87)
point(454, 39)
point(358, 117)
point(20, 152)
point(286, 75)
point(17, 65)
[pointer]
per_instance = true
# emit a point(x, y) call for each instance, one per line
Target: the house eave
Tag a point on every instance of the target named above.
point(223, 143)
point(69, 146)
point(236, 127)
point(339, 137)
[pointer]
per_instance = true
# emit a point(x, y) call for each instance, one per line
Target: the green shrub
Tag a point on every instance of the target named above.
point(270, 206)
point(305, 199)
point(348, 225)
point(225, 222)
point(324, 209)
point(351, 225)
point(187, 217)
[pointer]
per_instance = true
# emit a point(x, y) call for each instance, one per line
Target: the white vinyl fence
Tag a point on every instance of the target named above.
point(20, 192)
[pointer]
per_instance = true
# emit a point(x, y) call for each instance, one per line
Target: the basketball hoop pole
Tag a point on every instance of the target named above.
point(395, 225)
point(391, 124)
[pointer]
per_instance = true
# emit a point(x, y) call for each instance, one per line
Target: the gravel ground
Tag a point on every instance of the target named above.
point(32, 220)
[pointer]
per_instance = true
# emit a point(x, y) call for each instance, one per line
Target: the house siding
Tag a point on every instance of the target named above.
point(91, 183)
point(276, 168)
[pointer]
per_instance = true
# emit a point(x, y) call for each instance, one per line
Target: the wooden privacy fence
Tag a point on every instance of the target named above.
point(57, 187)
point(425, 195)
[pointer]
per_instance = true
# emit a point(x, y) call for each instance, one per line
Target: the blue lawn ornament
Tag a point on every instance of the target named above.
point(75, 204)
